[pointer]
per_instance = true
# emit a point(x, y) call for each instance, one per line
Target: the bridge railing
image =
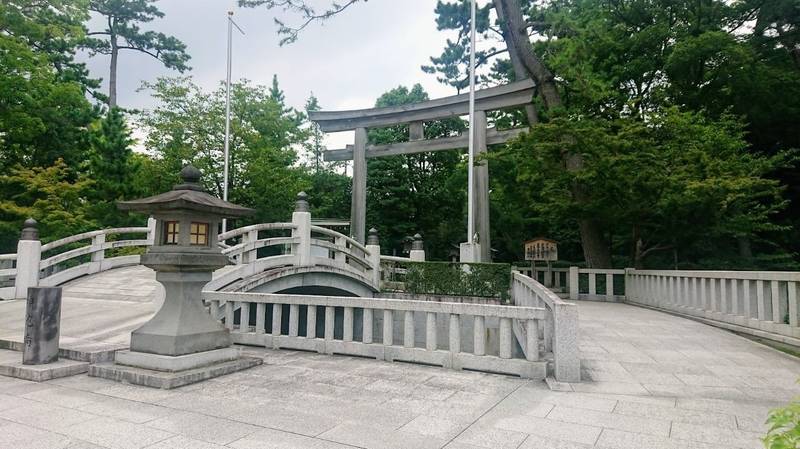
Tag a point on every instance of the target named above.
point(761, 303)
point(60, 261)
point(558, 331)
point(365, 327)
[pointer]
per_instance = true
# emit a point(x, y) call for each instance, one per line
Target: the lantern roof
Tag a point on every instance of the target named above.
point(189, 195)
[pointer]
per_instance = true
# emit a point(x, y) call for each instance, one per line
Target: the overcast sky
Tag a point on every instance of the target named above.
point(347, 62)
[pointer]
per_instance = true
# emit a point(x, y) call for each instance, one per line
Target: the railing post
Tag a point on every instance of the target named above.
point(573, 283)
point(567, 360)
point(417, 253)
point(98, 254)
point(301, 218)
point(631, 286)
point(151, 231)
point(249, 256)
point(374, 248)
point(29, 255)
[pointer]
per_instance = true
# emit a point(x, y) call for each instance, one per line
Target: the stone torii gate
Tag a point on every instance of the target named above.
point(415, 115)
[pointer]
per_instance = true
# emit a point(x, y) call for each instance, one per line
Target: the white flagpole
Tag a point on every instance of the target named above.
point(226, 169)
point(471, 158)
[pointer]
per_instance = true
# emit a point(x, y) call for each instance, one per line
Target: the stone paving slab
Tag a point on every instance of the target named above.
point(651, 381)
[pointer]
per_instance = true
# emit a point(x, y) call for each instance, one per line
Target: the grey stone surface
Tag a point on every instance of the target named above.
point(159, 362)
point(11, 365)
point(168, 380)
point(42, 321)
point(299, 399)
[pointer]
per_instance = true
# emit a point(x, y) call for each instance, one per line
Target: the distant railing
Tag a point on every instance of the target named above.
point(761, 303)
point(366, 328)
point(60, 261)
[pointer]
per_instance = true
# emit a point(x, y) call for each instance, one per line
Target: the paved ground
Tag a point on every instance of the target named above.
point(651, 381)
point(100, 310)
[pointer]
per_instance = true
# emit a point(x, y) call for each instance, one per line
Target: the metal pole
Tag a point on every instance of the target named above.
point(227, 115)
point(471, 158)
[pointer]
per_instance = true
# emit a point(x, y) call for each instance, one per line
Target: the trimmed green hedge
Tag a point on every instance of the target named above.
point(491, 280)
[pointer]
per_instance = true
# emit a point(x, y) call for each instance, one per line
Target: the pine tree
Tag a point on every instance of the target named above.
point(109, 167)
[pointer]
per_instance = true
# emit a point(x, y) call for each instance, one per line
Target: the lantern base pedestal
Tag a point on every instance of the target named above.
point(470, 253)
point(167, 372)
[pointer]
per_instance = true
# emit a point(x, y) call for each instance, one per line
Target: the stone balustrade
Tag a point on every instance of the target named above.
point(760, 303)
point(558, 331)
point(60, 261)
point(366, 327)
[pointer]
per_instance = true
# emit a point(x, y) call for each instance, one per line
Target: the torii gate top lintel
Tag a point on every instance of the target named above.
point(515, 94)
point(508, 95)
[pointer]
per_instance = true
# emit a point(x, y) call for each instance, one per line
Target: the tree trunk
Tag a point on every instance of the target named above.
point(112, 77)
point(519, 70)
point(515, 34)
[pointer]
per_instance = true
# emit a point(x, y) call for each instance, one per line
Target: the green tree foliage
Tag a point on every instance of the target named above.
point(652, 178)
point(50, 195)
point(111, 166)
point(122, 31)
point(43, 111)
point(415, 193)
point(188, 125)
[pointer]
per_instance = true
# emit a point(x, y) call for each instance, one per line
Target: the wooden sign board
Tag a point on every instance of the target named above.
point(541, 249)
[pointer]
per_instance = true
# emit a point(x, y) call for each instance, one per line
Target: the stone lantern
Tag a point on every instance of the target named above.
point(182, 338)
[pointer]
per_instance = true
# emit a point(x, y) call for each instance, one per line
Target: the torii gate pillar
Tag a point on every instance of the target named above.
point(481, 186)
point(358, 203)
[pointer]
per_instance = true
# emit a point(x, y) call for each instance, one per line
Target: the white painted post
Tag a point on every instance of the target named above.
point(455, 333)
point(367, 326)
point(479, 335)
point(573, 283)
point(408, 331)
point(29, 256)
point(430, 331)
point(301, 218)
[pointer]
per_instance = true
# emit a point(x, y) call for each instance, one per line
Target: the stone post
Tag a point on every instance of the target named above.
point(98, 253)
point(567, 360)
point(29, 255)
point(42, 322)
point(151, 230)
point(630, 290)
point(574, 286)
point(417, 253)
point(302, 219)
point(374, 248)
